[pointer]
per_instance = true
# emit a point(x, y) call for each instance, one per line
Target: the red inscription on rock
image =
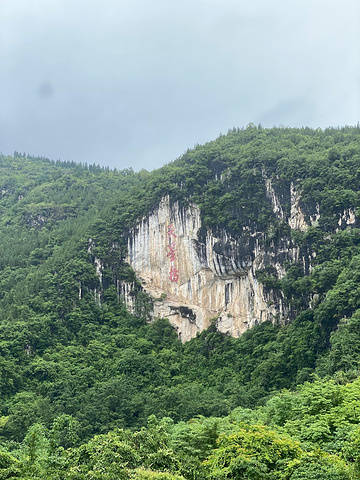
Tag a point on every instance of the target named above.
point(174, 274)
point(171, 231)
point(172, 252)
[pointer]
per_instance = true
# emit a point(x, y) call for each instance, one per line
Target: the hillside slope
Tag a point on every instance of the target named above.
point(229, 217)
point(273, 245)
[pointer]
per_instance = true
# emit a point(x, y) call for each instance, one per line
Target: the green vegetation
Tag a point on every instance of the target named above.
point(82, 378)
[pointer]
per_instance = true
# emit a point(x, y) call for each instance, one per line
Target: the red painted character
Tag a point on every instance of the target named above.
point(172, 252)
point(174, 274)
point(171, 231)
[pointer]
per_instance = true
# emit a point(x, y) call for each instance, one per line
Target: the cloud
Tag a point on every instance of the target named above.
point(137, 82)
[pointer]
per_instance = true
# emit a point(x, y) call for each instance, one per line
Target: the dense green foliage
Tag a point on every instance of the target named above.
point(311, 433)
point(81, 376)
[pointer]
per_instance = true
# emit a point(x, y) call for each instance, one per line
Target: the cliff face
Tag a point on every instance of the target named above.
point(196, 277)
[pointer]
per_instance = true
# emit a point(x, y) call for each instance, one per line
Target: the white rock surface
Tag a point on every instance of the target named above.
point(275, 202)
point(347, 218)
point(297, 219)
point(215, 281)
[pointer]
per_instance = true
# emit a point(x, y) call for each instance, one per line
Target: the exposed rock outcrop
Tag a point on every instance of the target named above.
point(194, 276)
point(270, 193)
point(297, 218)
point(347, 218)
point(197, 277)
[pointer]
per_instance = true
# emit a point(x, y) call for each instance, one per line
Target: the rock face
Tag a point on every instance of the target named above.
point(196, 277)
point(297, 218)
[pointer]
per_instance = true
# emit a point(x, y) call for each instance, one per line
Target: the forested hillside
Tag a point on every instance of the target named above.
point(90, 390)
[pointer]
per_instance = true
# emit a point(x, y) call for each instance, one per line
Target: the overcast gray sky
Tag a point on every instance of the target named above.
point(137, 82)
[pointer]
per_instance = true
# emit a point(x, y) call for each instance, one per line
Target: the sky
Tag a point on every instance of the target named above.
point(135, 83)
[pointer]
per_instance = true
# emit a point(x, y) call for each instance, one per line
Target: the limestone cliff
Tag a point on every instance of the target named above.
point(195, 277)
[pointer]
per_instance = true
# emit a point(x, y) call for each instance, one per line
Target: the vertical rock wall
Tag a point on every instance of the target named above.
point(196, 277)
point(195, 280)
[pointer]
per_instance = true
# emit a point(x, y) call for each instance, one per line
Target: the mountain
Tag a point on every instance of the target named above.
point(205, 286)
point(216, 244)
